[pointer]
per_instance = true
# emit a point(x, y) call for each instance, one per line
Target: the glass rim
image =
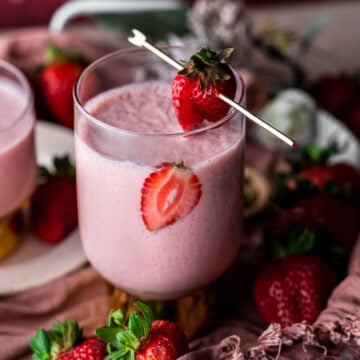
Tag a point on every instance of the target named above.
point(25, 86)
point(108, 127)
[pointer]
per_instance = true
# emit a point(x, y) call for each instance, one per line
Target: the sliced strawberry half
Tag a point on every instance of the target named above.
point(168, 195)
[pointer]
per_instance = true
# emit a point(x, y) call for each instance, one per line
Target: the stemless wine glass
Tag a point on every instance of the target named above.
point(17, 151)
point(126, 133)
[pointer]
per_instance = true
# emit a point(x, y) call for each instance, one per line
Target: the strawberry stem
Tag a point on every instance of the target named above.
point(54, 53)
point(124, 340)
point(63, 167)
point(207, 65)
point(48, 345)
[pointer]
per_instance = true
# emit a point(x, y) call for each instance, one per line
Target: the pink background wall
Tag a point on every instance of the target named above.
point(16, 13)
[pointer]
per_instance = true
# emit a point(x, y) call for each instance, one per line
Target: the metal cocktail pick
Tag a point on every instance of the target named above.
point(139, 39)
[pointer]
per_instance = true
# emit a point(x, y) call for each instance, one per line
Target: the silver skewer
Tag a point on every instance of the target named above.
point(139, 39)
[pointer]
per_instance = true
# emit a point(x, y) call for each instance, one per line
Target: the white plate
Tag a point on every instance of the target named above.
point(329, 128)
point(35, 263)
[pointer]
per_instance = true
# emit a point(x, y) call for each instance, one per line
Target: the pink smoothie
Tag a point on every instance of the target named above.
point(178, 258)
point(17, 155)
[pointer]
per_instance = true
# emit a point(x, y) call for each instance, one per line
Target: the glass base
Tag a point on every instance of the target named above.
point(194, 313)
point(12, 228)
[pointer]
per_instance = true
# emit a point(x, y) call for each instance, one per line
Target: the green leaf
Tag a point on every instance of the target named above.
point(69, 331)
point(297, 242)
point(127, 339)
point(118, 338)
point(107, 332)
point(146, 311)
point(313, 154)
point(301, 242)
point(40, 345)
point(224, 54)
point(54, 53)
point(64, 166)
point(123, 354)
point(138, 326)
point(116, 318)
point(43, 173)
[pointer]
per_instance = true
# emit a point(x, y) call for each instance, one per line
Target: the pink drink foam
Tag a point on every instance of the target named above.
point(183, 256)
point(17, 159)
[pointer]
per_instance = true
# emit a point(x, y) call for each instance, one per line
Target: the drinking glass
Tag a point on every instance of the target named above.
point(17, 150)
point(125, 128)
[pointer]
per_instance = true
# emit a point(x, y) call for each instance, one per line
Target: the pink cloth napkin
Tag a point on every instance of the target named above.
point(81, 295)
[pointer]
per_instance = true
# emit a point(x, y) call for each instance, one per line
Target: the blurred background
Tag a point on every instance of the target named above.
point(20, 13)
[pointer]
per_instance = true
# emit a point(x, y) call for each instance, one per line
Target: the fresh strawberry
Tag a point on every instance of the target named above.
point(195, 89)
point(142, 338)
point(65, 342)
point(340, 174)
point(181, 90)
point(53, 211)
point(168, 195)
point(311, 173)
point(90, 349)
point(334, 220)
point(293, 289)
point(56, 83)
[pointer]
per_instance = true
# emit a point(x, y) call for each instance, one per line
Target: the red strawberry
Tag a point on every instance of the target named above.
point(168, 195)
point(56, 83)
point(181, 90)
point(341, 174)
point(333, 219)
point(293, 289)
point(65, 342)
point(195, 89)
point(53, 209)
point(165, 342)
point(90, 349)
point(142, 338)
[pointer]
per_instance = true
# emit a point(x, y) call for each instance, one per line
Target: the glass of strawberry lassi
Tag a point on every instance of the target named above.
point(17, 151)
point(160, 207)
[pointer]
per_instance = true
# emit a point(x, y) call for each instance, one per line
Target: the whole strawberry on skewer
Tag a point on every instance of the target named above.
point(65, 342)
point(195, 88)
point(142, 338)
point(139, 39)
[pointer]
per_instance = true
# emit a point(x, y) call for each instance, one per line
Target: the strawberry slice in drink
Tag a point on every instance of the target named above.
point(168, 195)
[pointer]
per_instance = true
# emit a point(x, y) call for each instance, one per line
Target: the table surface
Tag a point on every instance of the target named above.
point(75, 294)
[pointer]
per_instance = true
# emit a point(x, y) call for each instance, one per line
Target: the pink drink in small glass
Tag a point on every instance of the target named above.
point(132, 129)
point(17, 153)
